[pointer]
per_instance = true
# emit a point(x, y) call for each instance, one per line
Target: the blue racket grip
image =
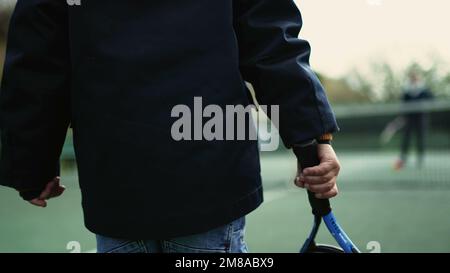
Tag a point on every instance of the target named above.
point(308, 157)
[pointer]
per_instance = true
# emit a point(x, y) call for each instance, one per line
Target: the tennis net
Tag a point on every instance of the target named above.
point(371, 140)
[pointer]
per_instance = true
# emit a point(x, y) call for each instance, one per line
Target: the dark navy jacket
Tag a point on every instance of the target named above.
point(114, 69)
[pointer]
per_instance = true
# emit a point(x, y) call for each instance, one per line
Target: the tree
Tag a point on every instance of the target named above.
point(6, 7)
point(385, 84)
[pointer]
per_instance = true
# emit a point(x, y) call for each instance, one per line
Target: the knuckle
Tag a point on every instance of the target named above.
point(325, 189)
point(329, 177)
point(318, 190)
point(335, 192)
point(333, 181)
point(332, 192)
point(329, 187)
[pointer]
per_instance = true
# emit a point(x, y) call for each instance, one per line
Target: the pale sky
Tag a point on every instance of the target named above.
point(352, 33)
point(347, 34)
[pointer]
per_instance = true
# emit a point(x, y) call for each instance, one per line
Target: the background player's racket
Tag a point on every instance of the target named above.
point(321, 209)
point(391, 129)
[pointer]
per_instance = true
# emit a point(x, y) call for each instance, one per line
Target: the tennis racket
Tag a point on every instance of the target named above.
point(321, 210)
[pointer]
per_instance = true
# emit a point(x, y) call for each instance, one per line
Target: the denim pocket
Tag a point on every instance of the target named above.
point(113, 245)
point(173, 247)
point(129, 247)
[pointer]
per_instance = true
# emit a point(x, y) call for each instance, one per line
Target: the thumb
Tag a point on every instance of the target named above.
point(38, 202)
point(48, 190)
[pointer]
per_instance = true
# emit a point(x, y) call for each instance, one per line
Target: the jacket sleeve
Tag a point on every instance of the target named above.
point(276, 62)
point(34, 95)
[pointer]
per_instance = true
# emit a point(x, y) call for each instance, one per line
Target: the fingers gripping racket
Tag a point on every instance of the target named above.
point(321, 209)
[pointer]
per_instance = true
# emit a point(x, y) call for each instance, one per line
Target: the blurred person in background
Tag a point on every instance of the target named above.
point(114, 71)
point(415, 122)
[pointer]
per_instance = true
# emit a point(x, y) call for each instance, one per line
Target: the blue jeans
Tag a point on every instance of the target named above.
point(225, 239)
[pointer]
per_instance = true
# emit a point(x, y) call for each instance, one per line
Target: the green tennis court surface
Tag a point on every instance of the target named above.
point(405, 211)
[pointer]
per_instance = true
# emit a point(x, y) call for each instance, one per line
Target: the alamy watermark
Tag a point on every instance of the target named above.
point(73, 2)
point(75, 247)
point(226, 123)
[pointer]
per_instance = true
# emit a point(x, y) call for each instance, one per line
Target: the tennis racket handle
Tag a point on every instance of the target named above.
point(308, 157)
